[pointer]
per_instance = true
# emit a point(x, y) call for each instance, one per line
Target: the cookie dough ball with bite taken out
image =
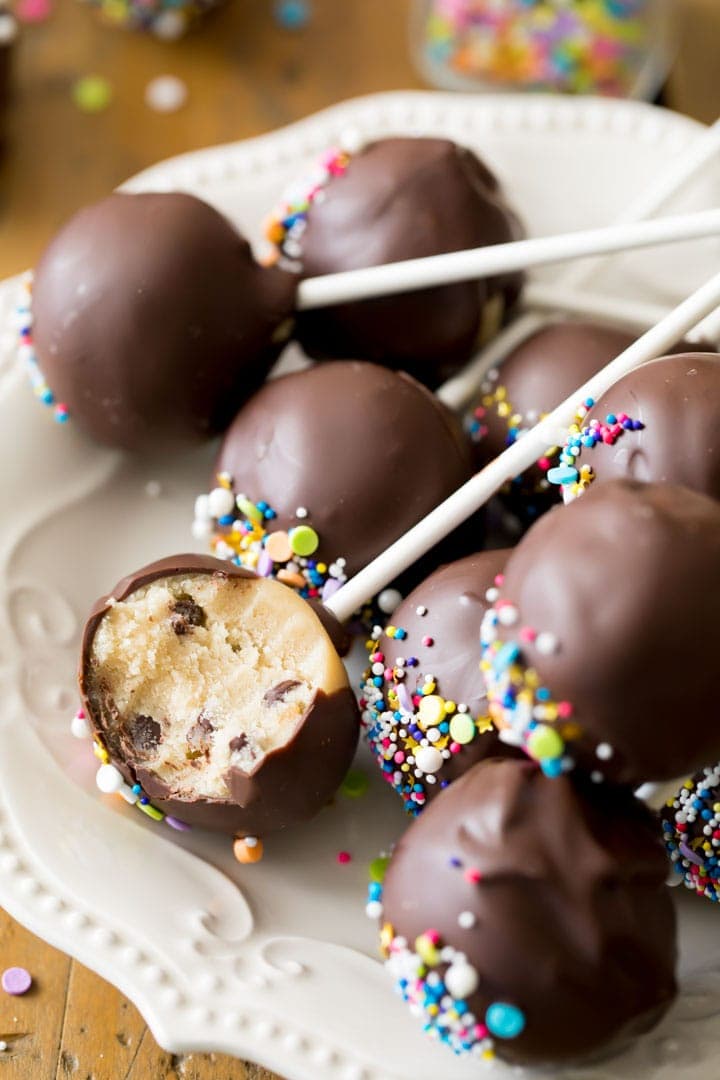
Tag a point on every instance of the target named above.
point(220, 693)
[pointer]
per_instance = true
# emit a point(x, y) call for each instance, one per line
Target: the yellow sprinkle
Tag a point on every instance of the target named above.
point(483, 724)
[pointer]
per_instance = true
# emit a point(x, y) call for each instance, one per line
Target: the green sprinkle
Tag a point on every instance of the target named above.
point(355, 784)
point(304, 540)
point(378, 867)
point(249, 509)
point(151, 811)
point(92, 93)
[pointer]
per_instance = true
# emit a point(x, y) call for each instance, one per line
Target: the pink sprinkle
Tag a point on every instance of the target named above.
point(80, 714)
point(388, 674)
point(480, 412)
point(378, 658)
point(473, 875)
point(399, 757)
point(527, 633)
point(428, 641)
point(33, 11)
point(564, 709)
point(344, 856)
point(16, 981)
point(481, 1031)
point(499, 578)
point(432, 936)
point(544, 463)
point(455, 748)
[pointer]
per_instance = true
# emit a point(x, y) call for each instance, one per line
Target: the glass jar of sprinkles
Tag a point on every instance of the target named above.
point(617, 48)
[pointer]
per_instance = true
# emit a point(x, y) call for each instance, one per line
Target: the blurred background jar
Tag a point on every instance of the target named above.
point(618, 48)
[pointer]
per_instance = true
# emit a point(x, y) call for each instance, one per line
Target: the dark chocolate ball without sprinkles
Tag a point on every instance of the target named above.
point(528, 918)
point(323, 469)
point(423, 697)
point(392, 200)
point(601, 649)
point(220, 693)
point(660, 423)
point(151, 321)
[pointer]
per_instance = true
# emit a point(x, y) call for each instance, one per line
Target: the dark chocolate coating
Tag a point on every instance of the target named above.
point(538, 375)
point(455, 600)
point(368, 452)
point(152, 322)
point(543, 370)
point(289, 785)
point(627, 578)
point(573, 923)
point(677, 398)
point(403, 199)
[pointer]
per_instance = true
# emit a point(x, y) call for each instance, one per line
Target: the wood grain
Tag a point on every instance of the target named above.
point(245, 76)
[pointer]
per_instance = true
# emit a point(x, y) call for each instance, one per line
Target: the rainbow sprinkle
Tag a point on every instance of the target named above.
point(28, 356)
point(285, 225)
point(411, 734)
point(574, 46)
point(242, 531)
point(495, 400)
point(521, 707)
point(691, 831)
point(111, 781)
point(573, 477)
point(438, 982)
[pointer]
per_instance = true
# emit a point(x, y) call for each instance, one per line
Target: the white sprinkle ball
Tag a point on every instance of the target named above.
point(604, 751)
point(80, 727)
point(461, 980)
point(201, 529)
point(301, 512)
point(109, 779)
point(466, 920)
point(166, 94)
point(508, 615)
point(221, 502)
point(153, 489)
point(169, 26)
point(546, 643)
point(389, 600)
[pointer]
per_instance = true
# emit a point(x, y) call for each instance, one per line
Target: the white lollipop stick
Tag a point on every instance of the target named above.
point(498, 259)
point(518, 457)
point(459, 391)
point(633, 315)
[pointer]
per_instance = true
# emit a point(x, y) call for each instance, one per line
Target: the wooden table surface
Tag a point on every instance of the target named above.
point(245, 75)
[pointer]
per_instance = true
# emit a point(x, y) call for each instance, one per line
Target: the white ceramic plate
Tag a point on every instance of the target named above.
point(274, 962)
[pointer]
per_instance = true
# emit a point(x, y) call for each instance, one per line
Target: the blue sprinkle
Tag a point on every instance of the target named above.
point(507, 655)
point(562, 474)
point(505, 1021)
point(552, 767)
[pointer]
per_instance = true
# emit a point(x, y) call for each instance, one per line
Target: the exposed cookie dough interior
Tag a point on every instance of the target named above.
point(195, 673)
